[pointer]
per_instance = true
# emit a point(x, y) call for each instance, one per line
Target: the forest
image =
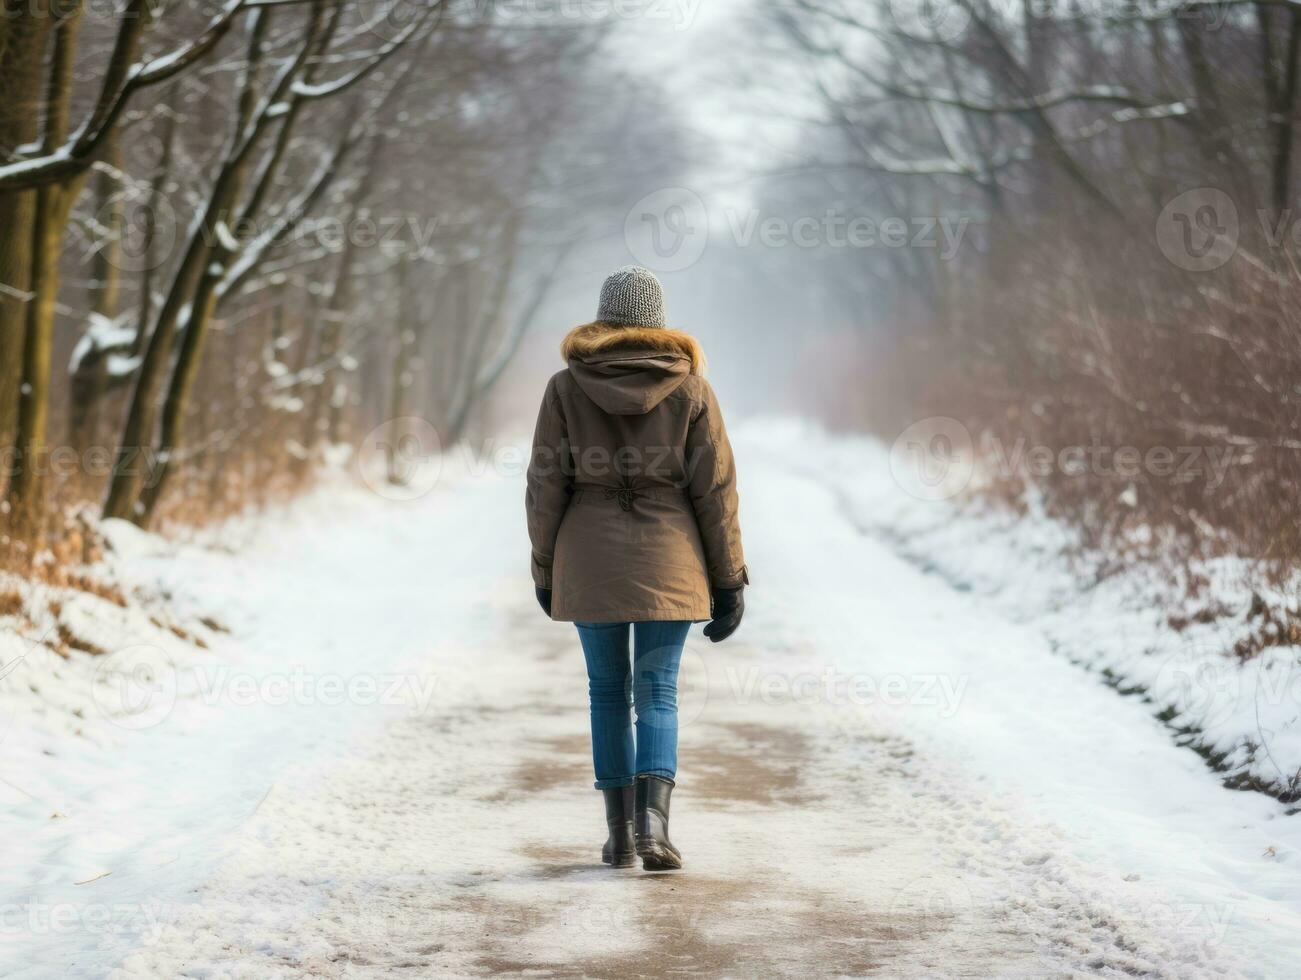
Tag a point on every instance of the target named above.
point(235, 235)
point(239, 233)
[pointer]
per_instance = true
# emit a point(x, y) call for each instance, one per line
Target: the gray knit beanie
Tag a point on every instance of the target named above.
point(632, 295)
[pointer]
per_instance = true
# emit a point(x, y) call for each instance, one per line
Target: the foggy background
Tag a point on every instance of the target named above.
point(240, 240)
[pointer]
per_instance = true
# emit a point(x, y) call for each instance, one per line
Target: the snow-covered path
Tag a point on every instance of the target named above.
point(878, 775)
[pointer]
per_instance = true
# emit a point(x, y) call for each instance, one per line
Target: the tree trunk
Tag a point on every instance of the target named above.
point(177, 402)
point(53, 205)
point(128, 476)
point(485, 326)
point(106, 264)
point(26, 36)
point(1282, 113)
point(1213, 129)
point(88, 386)
point(33, 401)
point(400, 374)
point(17, 211)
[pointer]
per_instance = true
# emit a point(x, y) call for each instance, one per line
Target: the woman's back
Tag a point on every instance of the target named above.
point(633, 471)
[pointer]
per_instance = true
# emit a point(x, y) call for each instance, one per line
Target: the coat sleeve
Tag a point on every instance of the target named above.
point(711, 475)
point(549, 483)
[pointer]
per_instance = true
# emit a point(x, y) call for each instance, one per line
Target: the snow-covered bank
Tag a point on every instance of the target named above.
point(1201, 644)
point(127, 766)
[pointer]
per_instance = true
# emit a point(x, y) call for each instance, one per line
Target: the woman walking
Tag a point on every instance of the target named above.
point(632, 515)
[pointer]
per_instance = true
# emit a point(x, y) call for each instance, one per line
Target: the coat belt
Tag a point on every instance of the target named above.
point(625, 495)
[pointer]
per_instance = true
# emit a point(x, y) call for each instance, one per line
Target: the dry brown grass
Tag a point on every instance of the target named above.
point(68, 639)
point(1062, 343)
point(11, 602)
point(65, 545)
point(104, 590)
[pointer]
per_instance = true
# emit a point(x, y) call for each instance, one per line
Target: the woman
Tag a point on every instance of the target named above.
point(632, 517)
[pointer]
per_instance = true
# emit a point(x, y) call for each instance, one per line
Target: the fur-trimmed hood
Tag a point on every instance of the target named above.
point(628, 370)
point(598, 338)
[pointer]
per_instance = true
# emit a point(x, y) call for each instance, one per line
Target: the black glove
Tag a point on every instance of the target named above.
point(728, 609)
point(544, 598)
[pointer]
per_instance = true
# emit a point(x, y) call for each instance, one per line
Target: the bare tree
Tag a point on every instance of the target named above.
point(1068, 136)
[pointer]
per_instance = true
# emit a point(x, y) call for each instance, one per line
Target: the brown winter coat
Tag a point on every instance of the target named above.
point(631, 485)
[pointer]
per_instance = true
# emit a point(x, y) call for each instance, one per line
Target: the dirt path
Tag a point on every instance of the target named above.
point(464, 841)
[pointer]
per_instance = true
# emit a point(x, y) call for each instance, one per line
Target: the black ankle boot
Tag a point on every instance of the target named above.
point(618, 850)
point(652, 824)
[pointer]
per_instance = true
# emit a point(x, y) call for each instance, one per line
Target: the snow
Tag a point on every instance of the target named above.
point(34, 165)
point(166, 62)
point(122, 365)
point(286, 403)
point(227, 240)
point(128, 542)
point(103, 334)
point(382, 769)
point(305, 90)
point(1115, 624)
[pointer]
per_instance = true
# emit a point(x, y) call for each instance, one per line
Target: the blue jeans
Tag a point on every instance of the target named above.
point(649, 684)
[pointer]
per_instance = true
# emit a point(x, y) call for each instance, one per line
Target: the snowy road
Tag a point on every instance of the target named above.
point(879, 776)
